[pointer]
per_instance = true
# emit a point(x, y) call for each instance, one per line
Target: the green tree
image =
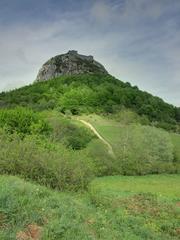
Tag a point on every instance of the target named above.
point(145, 149)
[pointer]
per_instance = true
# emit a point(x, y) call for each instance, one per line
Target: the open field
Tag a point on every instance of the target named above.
point(125, 208)
point(163, 186)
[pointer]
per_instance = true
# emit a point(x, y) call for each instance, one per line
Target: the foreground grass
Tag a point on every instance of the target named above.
point(149, 205)
point(23, 204)
point(114, 208)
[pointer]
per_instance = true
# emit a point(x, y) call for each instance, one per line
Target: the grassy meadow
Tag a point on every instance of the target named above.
point(163, 186)
point(113, 208)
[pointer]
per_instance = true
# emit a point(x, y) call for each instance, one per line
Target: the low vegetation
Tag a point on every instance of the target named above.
point(176, 144)
point(66, 155)
point(143, 150)
point(44, 162)
point(112, 209)
point(139, 149)
point(66, 131)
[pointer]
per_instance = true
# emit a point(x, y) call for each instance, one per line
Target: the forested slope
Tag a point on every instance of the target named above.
point(93, 94)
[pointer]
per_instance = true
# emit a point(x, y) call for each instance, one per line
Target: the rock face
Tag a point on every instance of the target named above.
point(70, 63)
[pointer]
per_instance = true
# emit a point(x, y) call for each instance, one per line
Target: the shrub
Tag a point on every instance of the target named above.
point(127, 116)
point(176, 141)
point(45, 163)
point(144, 150)
point(103, 161)
point(23, 121)
point(71, 135)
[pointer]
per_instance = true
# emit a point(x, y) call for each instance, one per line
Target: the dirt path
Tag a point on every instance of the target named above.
point(89, 125)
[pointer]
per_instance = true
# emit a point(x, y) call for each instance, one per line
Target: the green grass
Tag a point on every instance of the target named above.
point(60, 215)
point(147, 204)
point(164, 186)
point(63, 215)
point(108, 128)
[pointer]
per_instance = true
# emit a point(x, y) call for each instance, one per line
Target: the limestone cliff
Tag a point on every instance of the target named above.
point(69, 64)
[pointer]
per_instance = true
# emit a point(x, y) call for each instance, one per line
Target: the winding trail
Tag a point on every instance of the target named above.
point(89, 125)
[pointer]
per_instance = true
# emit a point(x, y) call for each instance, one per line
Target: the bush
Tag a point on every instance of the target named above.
point(45, 163)
point(103, 161)
point(127, 116)
point(71, 135)
point(23, 121)
point(144, 150)
point(176, 142)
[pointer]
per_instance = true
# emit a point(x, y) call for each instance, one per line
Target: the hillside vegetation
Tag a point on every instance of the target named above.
point(139, 149)
point(78, 160)
point(61, 152)
point(93, 93)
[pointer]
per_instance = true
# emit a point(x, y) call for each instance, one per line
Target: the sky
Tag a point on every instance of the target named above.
point(138, 41)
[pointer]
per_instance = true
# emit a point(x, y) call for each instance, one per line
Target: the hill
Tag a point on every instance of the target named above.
point(93, 93)
point(84, 156)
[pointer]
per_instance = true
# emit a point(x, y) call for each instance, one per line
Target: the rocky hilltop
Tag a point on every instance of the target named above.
point(70, 63)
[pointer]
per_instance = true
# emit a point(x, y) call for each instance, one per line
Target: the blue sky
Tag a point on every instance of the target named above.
point(138, 41)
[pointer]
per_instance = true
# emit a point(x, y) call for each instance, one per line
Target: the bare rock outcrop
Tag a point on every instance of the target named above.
point(70, 63)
